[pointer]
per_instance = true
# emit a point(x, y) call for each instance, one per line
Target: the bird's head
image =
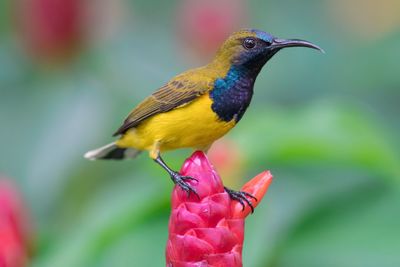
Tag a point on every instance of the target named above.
point(253, 48)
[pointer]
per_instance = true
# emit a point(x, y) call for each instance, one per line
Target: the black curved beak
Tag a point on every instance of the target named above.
point(283, 43)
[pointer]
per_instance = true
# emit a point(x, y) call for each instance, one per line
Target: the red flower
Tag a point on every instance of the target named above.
point(204, 25)
point(226, 158)
point(52, 29)
point(14, 234)
point(208, 231)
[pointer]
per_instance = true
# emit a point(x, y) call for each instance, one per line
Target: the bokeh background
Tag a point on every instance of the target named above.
point(326, 125)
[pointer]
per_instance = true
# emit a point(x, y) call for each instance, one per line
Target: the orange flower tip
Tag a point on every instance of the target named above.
point(257, 187)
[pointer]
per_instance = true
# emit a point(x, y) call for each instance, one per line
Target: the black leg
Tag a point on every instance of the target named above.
point(178, 179)
point(241, 196)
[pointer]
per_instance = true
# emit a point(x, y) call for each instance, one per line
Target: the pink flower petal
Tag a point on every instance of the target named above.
point(187, 220)
point(187, 264)
point(187, 248)
point(15, 234)
point(220, 238)
point(231, 259)
point(237, 227)
point(211, 209)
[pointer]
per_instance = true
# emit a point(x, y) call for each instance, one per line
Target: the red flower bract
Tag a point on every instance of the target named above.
point(204, 25)
point(208, 231)
point(14, 232)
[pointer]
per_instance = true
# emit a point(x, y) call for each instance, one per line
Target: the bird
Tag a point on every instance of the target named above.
point(198, 106)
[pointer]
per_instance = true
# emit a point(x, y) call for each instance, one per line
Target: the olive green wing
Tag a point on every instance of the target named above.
point(177, 92)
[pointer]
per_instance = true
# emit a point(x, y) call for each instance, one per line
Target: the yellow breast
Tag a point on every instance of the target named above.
point(192, 125)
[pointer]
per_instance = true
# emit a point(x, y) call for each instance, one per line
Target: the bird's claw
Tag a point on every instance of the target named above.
point(241, 197)
point(180, 180)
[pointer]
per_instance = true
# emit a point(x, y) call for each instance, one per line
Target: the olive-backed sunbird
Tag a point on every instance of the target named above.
point(198, 106)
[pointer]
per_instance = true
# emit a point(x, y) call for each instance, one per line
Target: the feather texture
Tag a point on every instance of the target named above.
point(179, 91)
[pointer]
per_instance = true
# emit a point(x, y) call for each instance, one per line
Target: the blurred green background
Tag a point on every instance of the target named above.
point(327, 126)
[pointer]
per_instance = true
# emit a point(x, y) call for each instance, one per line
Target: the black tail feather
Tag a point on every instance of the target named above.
point(117, 153)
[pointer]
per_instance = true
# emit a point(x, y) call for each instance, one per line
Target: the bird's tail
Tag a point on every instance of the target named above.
point(112, 151)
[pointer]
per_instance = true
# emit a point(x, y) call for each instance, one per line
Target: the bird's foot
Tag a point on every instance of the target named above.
point(242, 197)
point(181, 181)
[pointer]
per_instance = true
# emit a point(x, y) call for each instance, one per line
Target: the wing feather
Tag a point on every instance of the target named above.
point(175, 93)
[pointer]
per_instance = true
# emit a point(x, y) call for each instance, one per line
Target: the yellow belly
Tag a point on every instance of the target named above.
point(193, 125)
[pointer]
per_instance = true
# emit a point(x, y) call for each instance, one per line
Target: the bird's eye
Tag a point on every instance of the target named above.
point(249, 43)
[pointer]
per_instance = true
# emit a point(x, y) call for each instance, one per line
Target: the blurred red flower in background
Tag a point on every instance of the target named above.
point(226, 158)
point(204, 25)
point(15, 235)
point(55, 31)
point(208, 231)
point(51, 29)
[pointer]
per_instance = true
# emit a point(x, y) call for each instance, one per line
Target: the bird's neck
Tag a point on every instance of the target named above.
point(249, 66)
point(232, 93)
